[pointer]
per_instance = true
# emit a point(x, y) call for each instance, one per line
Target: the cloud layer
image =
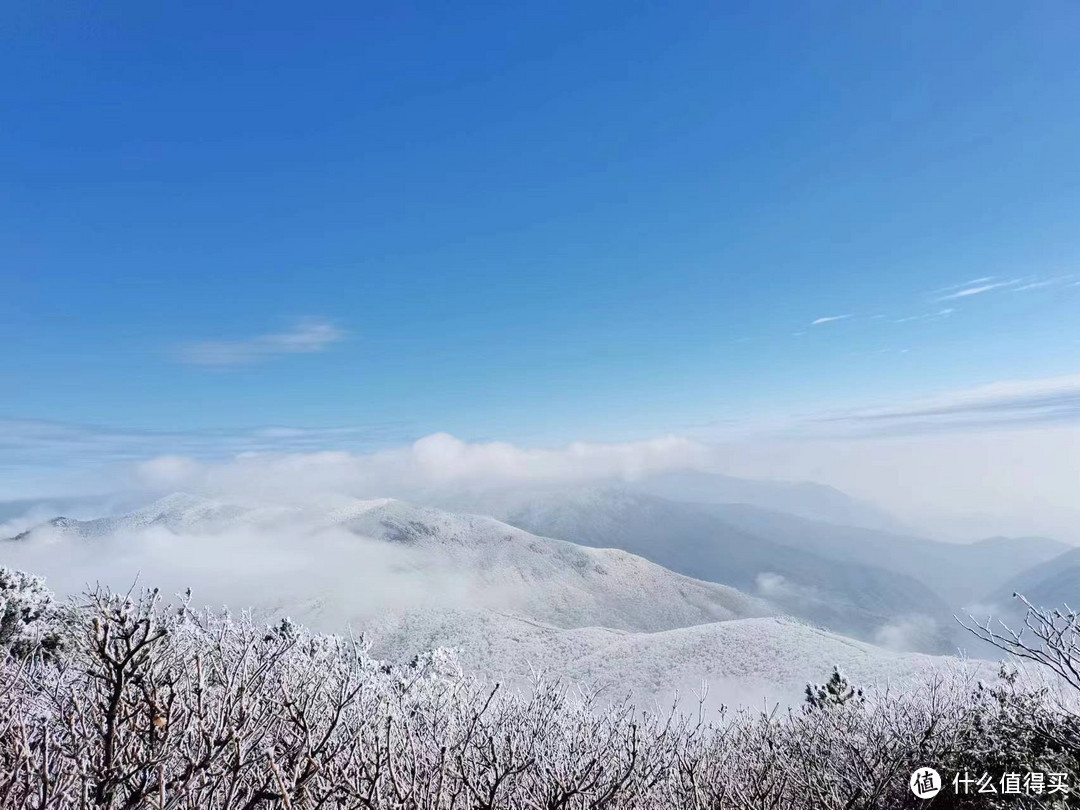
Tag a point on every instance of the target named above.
point(999, 458)
point(437, 462)
point(277, 570)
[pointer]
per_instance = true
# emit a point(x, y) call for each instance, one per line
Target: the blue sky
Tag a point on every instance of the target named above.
point(534, 223)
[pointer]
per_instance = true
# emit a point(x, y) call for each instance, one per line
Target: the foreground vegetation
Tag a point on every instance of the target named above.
point(125, 702)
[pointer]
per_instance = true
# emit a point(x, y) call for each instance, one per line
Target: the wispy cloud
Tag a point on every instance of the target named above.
point(828, 319)
point(977, 286)
point(1023, 403)
point(306, 337)
point(978, 289)
point(941, 313)
point(40, 440)
point(1040, 283)
point(971, 282)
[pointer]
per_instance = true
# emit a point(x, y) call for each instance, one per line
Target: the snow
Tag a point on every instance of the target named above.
point(744, 661)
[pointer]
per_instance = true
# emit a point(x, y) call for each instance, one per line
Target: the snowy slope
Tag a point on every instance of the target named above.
point(553, 580)
point(743, 661)
point(847, 596)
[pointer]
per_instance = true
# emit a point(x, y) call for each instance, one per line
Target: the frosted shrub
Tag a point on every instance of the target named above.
point(30, 620)
point(155, 706)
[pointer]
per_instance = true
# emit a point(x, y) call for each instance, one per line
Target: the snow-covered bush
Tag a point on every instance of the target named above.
point(834, 692)
point(30, 619)
point(154, 706)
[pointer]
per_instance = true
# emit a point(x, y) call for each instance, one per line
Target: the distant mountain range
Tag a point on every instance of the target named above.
point(958, 573)
point(802, 499)
point(1050, 584)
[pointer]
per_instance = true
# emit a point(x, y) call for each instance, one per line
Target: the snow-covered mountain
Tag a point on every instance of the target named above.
point(506, 568)
point(179, 513)
point(554, 580)
point(848, 596)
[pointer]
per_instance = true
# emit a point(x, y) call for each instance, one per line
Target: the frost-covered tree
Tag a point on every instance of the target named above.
point(165, 708)
point(1048, 637)
point(1020, 724)
point(834, 692)
point(30, 619)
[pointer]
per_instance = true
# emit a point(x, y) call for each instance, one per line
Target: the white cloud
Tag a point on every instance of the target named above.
point(326, 577)
point(1002, 458)
point(828, 319)
point(1034, 285)
point(163, 471)
point(941, 313)
point(977, 286)
point(777, 588)
point(977, 290)
point(971, 282)
point(1038, 284)
point(907, 634)
point(306, 337)
point(439, 461)
point(42, 458)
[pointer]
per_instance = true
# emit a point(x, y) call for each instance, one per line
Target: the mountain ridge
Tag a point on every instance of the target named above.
point(851, 598)
point(553, 580)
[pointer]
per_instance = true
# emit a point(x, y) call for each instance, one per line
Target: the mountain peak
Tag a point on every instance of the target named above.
point(177, 502)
